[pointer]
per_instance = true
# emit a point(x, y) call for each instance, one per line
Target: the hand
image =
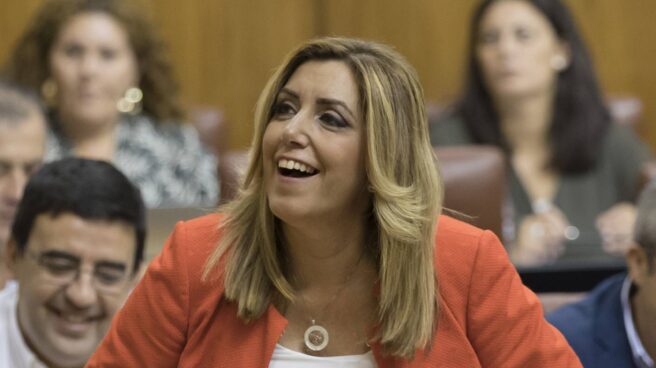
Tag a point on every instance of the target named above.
point(540, 237)
point(615, 226)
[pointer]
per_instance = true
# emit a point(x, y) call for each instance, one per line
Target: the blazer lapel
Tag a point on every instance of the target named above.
point(610, 337)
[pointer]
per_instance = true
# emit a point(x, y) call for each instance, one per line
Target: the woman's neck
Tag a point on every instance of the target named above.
point(525, 122)
point(91, 140)
point(325, 256)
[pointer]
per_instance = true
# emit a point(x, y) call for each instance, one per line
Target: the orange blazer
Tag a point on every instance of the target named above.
point(488, 318)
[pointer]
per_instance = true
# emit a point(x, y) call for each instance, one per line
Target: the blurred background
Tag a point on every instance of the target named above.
point(224, 50)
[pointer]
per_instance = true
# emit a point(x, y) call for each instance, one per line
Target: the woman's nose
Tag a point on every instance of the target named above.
point(89, 64)
point(297, 129)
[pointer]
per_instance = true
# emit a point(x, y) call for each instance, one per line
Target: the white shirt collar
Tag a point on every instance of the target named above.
point(15, 351)
point(640, 355)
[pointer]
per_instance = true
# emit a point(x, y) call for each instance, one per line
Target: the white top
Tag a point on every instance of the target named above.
point(13, 349)
point(286, 358)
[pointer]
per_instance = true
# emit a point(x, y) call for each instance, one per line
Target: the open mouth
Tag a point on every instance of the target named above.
point(295, 169)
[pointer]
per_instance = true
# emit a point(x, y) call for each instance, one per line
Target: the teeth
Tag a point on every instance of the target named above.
point(75, 319)
point(293, 165)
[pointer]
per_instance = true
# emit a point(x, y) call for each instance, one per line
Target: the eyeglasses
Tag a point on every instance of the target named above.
point(62, 268)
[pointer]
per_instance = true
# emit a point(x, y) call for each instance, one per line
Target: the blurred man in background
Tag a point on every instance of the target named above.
point(615, 325)
point(22, 144)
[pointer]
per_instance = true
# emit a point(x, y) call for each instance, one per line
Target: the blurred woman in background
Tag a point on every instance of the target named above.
point(105, 75)
point(531, 90)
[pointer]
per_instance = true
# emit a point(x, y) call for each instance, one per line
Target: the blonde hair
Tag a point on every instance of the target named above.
point(405, 189)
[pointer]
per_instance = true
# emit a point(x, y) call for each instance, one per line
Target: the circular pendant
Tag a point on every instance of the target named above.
point(316, 338)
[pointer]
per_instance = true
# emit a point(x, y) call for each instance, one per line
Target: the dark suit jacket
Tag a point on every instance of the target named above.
point(594, 327)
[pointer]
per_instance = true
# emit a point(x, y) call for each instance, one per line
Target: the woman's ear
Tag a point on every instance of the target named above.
point(637, 264)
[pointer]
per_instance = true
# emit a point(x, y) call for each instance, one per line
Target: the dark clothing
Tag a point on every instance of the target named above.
point(594, 327)
point(582, 197)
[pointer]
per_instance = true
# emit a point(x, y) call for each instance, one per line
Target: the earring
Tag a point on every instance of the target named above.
point(49, 92)
point(130, 103)
point(558, 63)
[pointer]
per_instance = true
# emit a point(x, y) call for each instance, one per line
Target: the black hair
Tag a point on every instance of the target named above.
point(580, 118)
point(90, 189)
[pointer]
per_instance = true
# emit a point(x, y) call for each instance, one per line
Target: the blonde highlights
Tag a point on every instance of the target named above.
point(405, 189)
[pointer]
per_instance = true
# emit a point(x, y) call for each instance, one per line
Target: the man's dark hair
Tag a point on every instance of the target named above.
point(645, 227)
point(90, 189)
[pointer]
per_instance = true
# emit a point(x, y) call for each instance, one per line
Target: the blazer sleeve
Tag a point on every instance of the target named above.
point(505, 321)
point(150, 330)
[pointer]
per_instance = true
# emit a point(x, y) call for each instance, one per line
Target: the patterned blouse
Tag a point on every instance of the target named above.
point(166, 161)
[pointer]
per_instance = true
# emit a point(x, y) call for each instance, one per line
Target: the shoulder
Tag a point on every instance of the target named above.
point(484, 302)
point(622, 158)
point(463, 250)
point(577, 319)
point(620, 140)
point(187, 249)
point(199, 236)
point(595, 325)
point(458, 243)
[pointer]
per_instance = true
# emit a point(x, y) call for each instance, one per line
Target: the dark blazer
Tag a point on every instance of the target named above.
point(594, 327)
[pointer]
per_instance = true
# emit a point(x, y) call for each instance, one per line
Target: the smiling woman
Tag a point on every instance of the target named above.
point(330, 256)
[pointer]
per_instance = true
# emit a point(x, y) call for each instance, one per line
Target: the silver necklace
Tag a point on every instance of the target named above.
point(316, 337)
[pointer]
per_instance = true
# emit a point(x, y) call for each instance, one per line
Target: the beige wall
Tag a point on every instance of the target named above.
point(224, 50)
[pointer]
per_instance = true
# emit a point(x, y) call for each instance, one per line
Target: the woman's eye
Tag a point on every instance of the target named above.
point(108, 54)
point(522, 34)
point(73, 50)
point(283, 109)
point(332, 119)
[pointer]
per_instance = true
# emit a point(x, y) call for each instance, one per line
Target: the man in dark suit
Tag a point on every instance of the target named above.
point(615, 325)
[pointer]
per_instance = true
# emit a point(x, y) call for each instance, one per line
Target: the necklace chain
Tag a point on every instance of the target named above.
point(316, 336)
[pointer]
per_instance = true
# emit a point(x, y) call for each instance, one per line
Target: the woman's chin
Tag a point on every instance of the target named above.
point(90, 117)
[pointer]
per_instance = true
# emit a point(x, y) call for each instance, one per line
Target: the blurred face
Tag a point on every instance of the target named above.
point(73, 276)
point(21, 151)
point(313, 146)
point(518, 50)
point(92, 64)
